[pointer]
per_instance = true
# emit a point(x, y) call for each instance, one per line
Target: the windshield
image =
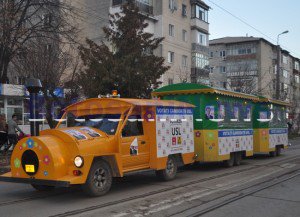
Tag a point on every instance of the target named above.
point(105, 122)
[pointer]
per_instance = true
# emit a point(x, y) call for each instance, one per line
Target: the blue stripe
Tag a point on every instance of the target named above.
point(173, 111)
point(278, 131)
point(230, 133)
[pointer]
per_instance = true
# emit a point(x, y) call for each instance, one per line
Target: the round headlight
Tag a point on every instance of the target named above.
point(78, 161)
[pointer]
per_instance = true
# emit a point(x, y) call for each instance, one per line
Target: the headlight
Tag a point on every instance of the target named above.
point(78, 161)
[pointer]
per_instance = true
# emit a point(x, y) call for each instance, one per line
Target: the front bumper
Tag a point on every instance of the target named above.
point(35, 181)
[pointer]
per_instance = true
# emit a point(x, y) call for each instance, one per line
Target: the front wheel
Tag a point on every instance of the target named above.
point(42, 187)
point(169, 172)
point(278, 151)
point(237, 158)
point(99, 180)
point(230, 161)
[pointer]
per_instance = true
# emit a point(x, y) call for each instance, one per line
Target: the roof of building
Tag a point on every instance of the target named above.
point(188, 88)
point(274, 101)
point(231, 40)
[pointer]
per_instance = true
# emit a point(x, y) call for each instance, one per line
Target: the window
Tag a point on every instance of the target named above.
point(200, 13)
point(297, 80)
point(184, 35)
point(47, 20)
point(184, 61)
point(222, 69)
point(284, 59)
point(170, 81)
point(171, 30)
point(170, 57)
point(184, 10)
point(211, 54)
point(200, 60)
point(173, 4)
point(222, 53)
point(202, 38)
point(133, 127)
point(243, 49)
point(297, 67)
point(285, 73)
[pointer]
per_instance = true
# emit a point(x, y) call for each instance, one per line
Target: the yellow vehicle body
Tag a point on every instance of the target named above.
point(48, 159)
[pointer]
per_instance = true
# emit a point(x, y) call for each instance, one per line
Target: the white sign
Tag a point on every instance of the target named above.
point(174, 131)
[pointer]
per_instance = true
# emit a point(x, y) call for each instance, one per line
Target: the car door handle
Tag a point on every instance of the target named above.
point(143, 142)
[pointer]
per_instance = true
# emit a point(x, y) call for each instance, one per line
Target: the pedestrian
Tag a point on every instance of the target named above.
point(3, 131)
point(12, 130)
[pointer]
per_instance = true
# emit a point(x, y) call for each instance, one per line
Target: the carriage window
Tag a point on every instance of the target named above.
point(247, 114)
point(236, 113)
point(221, 113)
point(133, 127)
point(209, 112)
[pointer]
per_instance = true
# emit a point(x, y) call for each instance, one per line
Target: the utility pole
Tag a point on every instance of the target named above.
point(278, 71)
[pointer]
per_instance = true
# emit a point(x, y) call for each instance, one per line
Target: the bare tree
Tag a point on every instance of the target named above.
point(22, 21)
point(46, 60)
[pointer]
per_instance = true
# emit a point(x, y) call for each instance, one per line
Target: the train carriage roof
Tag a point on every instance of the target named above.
point(188, 88)
point(119, 105)
point(274, 101)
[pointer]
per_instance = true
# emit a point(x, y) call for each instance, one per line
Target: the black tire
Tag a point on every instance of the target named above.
point(169, 172)
point(42, 187)
point(237, 158)
point(278, 151)
point(230, 162)
point(272, 153)
point(99, 180)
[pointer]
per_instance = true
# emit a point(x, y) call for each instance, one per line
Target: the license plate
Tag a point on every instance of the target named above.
point(29, 168)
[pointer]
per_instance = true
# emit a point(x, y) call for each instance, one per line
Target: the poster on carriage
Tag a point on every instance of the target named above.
point(174, 131)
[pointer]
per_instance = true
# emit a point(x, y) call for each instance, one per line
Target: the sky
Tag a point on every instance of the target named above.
point(269, 17)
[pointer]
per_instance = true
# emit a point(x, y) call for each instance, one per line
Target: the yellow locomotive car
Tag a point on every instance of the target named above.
point(99, 139)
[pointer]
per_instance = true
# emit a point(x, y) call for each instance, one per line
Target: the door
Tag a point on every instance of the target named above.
point(134, 145)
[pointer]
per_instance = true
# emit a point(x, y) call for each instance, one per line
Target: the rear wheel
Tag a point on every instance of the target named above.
point(278, 151)
point(273, 153)
point(230, 161)
point(237, 158)
point(42, 187)
point(99, 180)
point(169, 172)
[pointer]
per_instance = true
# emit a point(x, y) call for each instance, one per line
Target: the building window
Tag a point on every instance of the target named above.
point(170, 81)
point(297, 80)
point(184, 35)
point(202, 38)
point(170, 57)
point(241, 49)
point(173, 5)
point(200, 60)
point(223, 53)
point(284, 59)
point(200, 13)
point(184, 10)
point(184, 61)
point(211, 54)
point(285, 73)
point(297, 67)
point(222, 69)
point(171, 30)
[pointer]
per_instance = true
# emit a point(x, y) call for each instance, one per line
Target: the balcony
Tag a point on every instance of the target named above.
point(199, 24)
point(145, 8)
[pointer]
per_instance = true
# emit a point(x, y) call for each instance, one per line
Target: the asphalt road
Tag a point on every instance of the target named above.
point(261, 186)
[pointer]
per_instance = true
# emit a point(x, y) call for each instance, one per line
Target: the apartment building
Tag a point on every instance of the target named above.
point(183, 24)
point(249, 64)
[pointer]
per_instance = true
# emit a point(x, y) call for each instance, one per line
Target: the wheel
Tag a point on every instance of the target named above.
point(169, 172)
point(42, 187)
point(230, 162)
point(237, 158)
point(99, 179)
point(278, 151)
point(273, 153)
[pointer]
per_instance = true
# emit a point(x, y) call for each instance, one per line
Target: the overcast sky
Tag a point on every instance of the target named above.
point(270, 17)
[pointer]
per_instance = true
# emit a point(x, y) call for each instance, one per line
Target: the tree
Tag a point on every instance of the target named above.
point(22, 21)
point(129, 64)
point(47, 61)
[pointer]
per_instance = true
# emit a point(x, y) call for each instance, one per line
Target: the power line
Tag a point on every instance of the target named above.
point(248, 24)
